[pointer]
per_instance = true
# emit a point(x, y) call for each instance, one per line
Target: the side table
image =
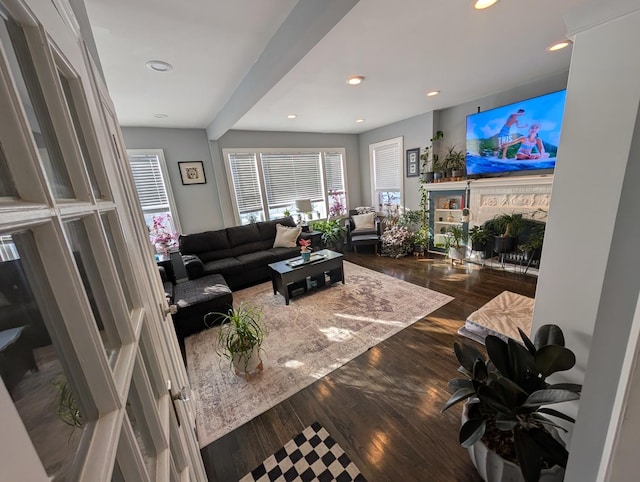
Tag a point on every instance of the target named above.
point(315, 237)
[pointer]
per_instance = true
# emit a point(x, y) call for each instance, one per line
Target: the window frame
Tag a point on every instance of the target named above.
point(398, 143)
point(258, 152)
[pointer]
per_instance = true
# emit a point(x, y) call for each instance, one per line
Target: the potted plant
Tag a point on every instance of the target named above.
point(421, 240)
point(454, 162)
point(505, 416)
point(305, 249)
point(240, 338)
point(507, 228)
point(466, 214)
point(456, 242)
point(479, 238)
point(532, 248)
point(333, 233)
point(429, 158)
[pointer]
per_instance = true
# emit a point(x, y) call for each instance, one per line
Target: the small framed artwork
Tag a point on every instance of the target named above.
point(192, 172)
point(413, 162)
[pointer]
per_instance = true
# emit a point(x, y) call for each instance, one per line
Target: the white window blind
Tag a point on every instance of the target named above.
point(334, 173)
point(246, 185)
point(288, 177)
point(387, 162)
point(147, 176)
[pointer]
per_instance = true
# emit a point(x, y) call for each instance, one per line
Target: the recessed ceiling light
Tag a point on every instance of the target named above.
point(291, 116)
point(355, 80)
point(558, 46)
point(160, 116)
point(359, 120)
point(432, 93)
point(159, 66)
point(482, 4)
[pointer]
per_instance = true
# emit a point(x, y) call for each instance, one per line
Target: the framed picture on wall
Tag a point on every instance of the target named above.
point(192, 172)
point(413, 162)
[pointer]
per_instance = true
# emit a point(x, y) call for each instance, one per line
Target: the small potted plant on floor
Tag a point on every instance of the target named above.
point(240, 338)
point(507, 427)
point(479, 238)
point(456, 243)
point(507, 228)
point(333, 233)
point(421, 240)
point(532, 248)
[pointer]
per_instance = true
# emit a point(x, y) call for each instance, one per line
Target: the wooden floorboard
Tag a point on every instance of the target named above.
point(383, 407)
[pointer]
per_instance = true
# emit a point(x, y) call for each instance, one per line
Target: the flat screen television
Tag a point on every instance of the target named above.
point(522, 136)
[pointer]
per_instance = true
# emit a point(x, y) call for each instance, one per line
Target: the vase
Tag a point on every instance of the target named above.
point(162, 248)
point(305, 255)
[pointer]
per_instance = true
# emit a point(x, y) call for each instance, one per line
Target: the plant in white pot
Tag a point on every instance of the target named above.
point(456, 242)
point(507, 426)
point(240, 338)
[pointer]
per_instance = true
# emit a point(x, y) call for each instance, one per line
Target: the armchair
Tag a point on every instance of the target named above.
point(362, 230)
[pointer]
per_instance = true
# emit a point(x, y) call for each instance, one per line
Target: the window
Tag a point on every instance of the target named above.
point(154, 191)
point(266, 184)
point(386, 174)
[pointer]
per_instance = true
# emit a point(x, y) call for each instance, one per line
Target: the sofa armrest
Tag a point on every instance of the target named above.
point(193, 265)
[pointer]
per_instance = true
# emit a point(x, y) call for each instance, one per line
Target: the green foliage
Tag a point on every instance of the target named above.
point(421, 237)
point(333, 230)
point(431, 153)
point(454, 158)
point(509, 225)
point(535, 239)
point(479, 235)
point(456, 237)
point(241, 332)
point(67, 408)
point(510, 390)
point(409, 218)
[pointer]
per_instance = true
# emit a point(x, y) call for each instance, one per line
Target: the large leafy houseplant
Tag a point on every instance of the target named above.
point(240, 337)
point(508, 395)
point(333, 232)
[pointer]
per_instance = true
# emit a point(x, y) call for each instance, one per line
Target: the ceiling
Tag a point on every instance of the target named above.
point(247, 64)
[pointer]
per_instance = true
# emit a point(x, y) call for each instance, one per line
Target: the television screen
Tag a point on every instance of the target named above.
point(517, 137)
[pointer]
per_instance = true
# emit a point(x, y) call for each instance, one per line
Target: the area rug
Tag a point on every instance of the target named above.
point(317, 333)
point(312, 455)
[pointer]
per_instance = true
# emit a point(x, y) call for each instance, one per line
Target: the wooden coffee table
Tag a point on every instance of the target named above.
point(291, 274)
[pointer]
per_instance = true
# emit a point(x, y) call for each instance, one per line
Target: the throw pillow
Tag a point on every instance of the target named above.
point(286, 236)
point(364, 221)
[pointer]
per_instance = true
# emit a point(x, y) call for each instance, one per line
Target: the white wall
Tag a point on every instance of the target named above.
point(198, 205)
point(265, 140)
point(416, 132)
point(588, 282)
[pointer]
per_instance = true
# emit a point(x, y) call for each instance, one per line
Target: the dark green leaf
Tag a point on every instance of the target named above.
point(553, 358)
point(457, 397)
point(465, 372)
point(510, 392)
point(458, 383)
point(547, 396)
point(542, 420)
point(471, 432)
point(529, 455)
point(548, 335)
point(527, 342)
point(572, 387)
point(556, 413)
point(480, 370)
point(552, 450)
point(522, 365)
point(506, 425)
point(467, 355)
point(499, 354)
point(493, 399)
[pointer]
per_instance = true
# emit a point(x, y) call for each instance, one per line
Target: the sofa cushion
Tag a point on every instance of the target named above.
point(208, 246)
point(251, 261)
point(285, 253)
point(268, 228)
point(223, 266)
point(244, 239)
point(286, 237)
point(364, 222)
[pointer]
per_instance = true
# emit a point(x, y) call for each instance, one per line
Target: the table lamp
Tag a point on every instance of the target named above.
point(304, 206)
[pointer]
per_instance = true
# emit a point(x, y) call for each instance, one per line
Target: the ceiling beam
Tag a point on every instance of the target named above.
point(308, 22)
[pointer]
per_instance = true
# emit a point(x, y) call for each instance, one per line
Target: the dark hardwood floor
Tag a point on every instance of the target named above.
point(383, 407)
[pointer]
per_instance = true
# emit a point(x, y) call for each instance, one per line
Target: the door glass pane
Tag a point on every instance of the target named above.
point(107, 220)
point(136, 413)
point(34, 367)
point(117, 474)
point(77, 125)
point(7, 188)
point(24, 75)
point(93, 285)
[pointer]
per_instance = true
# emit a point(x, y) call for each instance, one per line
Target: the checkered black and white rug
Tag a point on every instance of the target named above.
point(312, 455)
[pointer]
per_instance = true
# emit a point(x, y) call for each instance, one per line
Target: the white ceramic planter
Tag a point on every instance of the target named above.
point(457, 253)
point(493, 468)
point(245, 364)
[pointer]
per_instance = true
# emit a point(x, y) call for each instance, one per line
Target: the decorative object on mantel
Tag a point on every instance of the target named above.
point(192, 172)
point(160, 235)
point(466, 215)
point(506, 425)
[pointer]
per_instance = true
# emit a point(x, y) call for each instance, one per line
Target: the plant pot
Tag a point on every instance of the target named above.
point(428, 177)
point(437, 176)
point(457, 172)
point(457, 253)
point(478, 245)
point(493, 468)
point(244, 364)
point(504, 245)
point(305, 255)
point(448, 172)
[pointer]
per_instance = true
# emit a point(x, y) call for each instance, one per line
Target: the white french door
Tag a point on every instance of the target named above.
point(92, 377)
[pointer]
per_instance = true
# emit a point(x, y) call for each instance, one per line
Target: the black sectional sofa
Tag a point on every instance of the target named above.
point(240, 254)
